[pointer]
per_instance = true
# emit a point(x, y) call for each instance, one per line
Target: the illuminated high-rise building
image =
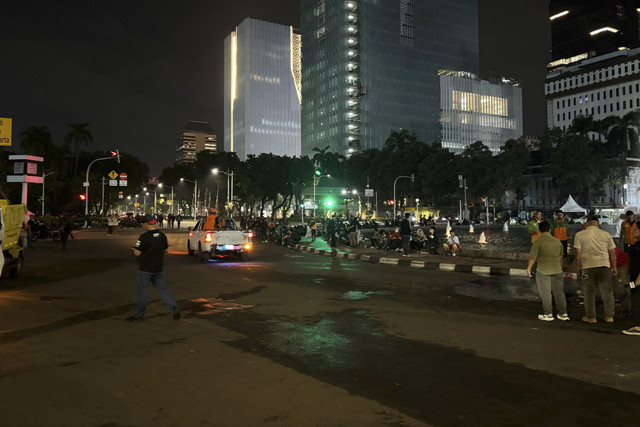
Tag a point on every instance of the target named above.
point(262, 73)
point(583, 29)
point(371, 67)
point(194, 138)
point(474, 109)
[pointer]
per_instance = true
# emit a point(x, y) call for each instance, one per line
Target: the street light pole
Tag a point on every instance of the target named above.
point(195, 194)
point(316, 180)
point(395, 202)
point(86, 184)
point(463, 184)
point(229, 175)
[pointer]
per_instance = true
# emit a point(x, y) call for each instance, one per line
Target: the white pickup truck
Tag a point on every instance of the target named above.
point(211, 243)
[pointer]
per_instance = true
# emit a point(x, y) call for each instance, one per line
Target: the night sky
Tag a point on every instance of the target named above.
point(138, 70)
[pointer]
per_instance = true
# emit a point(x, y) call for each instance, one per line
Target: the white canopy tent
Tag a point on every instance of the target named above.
point(572, 206)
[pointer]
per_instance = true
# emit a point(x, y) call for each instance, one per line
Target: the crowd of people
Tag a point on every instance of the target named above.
point(598, 260)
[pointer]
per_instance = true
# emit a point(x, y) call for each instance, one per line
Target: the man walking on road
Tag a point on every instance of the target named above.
point(149, 251)
point(596, 257)
point(405, 232)
point(547, 251)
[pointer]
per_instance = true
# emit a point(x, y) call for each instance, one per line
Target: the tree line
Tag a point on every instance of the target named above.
point(586, 159)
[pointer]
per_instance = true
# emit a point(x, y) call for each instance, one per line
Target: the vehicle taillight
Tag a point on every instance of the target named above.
point(191, 234)
point(208, 238)
point(247, 246)
point(251, 234)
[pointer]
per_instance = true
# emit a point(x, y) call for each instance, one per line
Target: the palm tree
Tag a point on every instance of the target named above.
point(622, 136)
point(400, 139)
point(79, 137)
point(36, 140)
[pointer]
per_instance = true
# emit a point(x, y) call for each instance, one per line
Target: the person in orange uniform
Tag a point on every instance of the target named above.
point(559, 230)
point(626, 231)
point(211, 222)
point(532, 226)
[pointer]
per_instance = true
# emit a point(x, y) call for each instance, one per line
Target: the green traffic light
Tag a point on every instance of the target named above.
point(318, 173)
point(329, 202)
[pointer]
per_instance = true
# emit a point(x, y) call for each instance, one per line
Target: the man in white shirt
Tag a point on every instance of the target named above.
point(596, 258)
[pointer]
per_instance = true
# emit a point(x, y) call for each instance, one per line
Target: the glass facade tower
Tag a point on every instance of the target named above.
point(371, 67)
point(262, 75)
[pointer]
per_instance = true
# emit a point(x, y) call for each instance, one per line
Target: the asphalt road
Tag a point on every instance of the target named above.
point(287, 338)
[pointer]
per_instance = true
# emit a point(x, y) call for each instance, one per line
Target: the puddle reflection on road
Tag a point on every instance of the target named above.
point(358, 295)
point(500, 288)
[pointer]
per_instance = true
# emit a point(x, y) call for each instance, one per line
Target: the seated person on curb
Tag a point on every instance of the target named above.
point(432, 242)
point(395, 241)
point(452, 247)
point(418, 241)
point(375, 240)
point(383, 239)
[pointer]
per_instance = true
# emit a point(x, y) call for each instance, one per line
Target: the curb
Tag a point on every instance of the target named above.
point(425, 265)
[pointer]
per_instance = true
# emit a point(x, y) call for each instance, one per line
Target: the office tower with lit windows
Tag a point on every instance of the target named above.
point(194, 138)
point(262, 73)
point(584, 29)
point(371, 67)
point(474, 109)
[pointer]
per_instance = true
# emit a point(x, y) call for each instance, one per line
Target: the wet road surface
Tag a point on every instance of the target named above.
point(408, 347)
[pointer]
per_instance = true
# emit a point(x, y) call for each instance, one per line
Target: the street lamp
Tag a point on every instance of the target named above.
point(229, 175)
point(195, 195)
point(161, 185)
point(354, 192)
point(463, 184)
point(395, 202)
point(316, 179)
point(417, 209)
point(144, 211)
point(44, 175)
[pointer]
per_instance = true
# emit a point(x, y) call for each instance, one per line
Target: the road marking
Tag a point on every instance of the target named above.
point(481, 269)
point(518, 272)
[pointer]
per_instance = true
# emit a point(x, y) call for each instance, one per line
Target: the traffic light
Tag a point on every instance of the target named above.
point(392, 202)
point(482, 200)
point(82, 196)
point(116, 154)
point(329, 202)
point(318, 173)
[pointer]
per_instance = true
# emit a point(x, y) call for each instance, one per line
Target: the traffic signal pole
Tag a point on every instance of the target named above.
point(86, 182)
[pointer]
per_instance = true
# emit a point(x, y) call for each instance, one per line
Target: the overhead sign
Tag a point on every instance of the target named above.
point(5, 131)
point(113, 174)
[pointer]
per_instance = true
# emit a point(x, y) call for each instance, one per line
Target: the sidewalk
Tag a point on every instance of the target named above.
point(468, 261)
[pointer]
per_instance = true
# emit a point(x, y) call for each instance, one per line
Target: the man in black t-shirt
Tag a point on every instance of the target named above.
point(149, 251)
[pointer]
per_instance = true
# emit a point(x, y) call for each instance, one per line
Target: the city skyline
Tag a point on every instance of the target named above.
point(137, 74)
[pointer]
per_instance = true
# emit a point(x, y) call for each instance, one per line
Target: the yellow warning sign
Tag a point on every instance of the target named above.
point(5, 131)
point(113, 174)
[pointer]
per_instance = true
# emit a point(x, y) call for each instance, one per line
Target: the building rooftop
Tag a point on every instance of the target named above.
point(196, 126)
